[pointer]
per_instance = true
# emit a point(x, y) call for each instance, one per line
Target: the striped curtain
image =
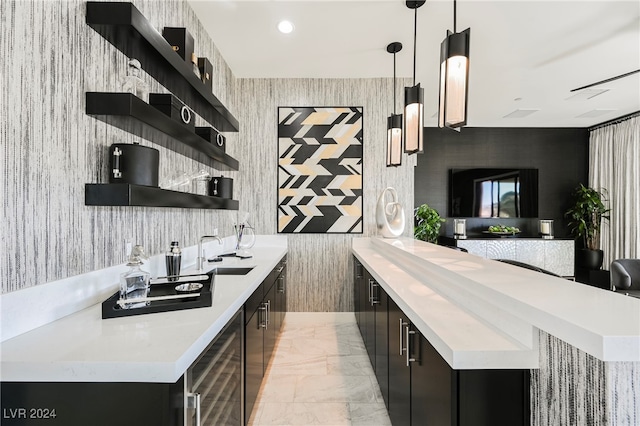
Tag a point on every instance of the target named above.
point(614, 165)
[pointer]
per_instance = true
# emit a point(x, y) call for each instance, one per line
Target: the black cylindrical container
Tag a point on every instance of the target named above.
point(221, 187)
point(134, 164)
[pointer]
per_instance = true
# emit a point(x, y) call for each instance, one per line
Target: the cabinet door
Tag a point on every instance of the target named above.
point(254, 362)
point(369, 320)
point(399, 374)
point(433, 386)
point(358, 278)
point(270, 330)
point(280, 307)
point(382, 341)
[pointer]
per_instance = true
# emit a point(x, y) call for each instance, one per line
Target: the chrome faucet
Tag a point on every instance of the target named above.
point(200, 259)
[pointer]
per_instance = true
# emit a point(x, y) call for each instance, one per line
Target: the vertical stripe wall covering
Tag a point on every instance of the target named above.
point(319, 265)
point(51, 148)
point(572, 387)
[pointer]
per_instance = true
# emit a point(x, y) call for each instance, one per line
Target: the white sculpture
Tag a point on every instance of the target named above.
point(390, 218)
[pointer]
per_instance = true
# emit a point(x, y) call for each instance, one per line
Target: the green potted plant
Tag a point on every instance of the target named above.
point(428, 222)
point(585, 219)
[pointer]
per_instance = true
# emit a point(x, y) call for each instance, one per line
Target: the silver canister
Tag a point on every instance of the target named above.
point(173, 260)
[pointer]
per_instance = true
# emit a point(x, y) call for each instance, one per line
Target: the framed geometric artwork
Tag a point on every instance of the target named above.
point(320, 170)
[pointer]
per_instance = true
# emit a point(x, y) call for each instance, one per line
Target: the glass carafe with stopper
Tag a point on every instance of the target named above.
point(134, 283)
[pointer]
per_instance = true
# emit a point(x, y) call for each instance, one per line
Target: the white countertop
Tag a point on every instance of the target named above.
point(479, 313)
point(159, 347)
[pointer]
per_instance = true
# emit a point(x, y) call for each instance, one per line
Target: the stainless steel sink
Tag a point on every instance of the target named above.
point(225, 270)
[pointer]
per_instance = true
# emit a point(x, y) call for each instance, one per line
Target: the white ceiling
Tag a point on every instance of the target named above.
point(524, 54)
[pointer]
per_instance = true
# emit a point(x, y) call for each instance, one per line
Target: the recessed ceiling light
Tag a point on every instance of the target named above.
point(521, 113)
point(595, 113)
point(285, 27)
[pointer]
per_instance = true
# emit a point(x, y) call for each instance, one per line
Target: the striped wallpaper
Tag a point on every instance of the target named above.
point(51, 148)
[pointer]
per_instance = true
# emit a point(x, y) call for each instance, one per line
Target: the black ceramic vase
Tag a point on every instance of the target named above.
point(589, 259)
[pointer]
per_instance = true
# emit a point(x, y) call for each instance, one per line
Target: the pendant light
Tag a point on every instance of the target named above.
point(413, 125)
point(454, 77)
point(394, 121)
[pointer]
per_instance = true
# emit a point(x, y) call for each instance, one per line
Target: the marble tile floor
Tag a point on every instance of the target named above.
point(320, 375)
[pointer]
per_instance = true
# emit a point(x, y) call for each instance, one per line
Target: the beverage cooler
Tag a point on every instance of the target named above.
point(212, 390)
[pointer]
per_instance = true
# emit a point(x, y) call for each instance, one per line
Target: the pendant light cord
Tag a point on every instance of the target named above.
point(394, 83)
point(454, 17)
point(415, 35)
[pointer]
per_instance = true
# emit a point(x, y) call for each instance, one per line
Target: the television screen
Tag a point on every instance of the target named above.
point(485, 192)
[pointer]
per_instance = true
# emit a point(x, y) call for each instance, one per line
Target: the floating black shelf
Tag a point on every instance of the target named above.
point(122, 24)
point(122, 194)
point(128, 105)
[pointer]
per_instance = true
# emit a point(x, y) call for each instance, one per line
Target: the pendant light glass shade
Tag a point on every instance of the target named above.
point(413, 119)
point(413, 125)
point(454, 79)
point(394, 121)
point(394, 140)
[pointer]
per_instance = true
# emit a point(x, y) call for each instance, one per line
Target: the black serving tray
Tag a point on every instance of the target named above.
point(111, 309)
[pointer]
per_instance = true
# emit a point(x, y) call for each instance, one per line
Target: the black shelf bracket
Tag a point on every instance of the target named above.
point(129, 107)
point(122, 24)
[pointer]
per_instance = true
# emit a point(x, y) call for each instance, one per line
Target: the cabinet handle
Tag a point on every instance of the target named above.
point(263, 316)
point(408, 332)
point(268, 314)
point(358, 269)
point(374, 300)
point(281, 285)
point(193, 401)
point(402, 324)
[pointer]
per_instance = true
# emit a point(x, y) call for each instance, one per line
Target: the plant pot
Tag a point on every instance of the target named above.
point(589, 259)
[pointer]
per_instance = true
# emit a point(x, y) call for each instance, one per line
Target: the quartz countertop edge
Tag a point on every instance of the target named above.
point(585, 317)
point(153, 348)
point(463, 339)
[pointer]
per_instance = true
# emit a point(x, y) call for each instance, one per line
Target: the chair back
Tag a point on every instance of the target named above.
point(625, 274)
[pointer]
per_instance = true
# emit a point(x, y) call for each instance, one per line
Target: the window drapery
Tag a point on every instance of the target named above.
point(614, 165)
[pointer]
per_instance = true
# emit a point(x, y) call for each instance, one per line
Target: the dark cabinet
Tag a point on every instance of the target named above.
point(370, 304)
point(381, 339)
point(419, 386)
point(399, 404)
point(265, 310)
point(209, 391)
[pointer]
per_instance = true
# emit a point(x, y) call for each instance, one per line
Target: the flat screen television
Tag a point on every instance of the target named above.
point(487, 192)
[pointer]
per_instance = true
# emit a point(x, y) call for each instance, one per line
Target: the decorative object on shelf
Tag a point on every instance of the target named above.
point(194, 66)
point(173, 107)
point(546, 229)
point(585, 219)
point(221, 187)
point(428, 223)
point(320, 170)
point(502, 230)
point(460, 229)
point(122, 25)
point(213, 136)
point(454, 77)
point(200, 183)
point(179, 182)
point(413, 128)
point(133, 82)
point(206, 71)
point(390, 219)
point(134, 283)
point(133, 111)
point(180, 40)
point(173, 261)
point(134, 164)
point(394, 121)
